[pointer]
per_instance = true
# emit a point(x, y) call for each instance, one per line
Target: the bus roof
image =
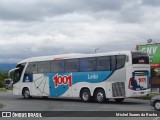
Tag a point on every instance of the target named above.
point(70, 56)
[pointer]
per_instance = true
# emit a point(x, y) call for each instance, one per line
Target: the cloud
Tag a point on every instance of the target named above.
point(33, 27)
point(151, 2)
point(33, 10)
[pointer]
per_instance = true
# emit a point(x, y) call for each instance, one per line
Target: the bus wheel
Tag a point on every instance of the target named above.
point(85, 95)
point(100, 96)
point(26, 93)
point(119, 99)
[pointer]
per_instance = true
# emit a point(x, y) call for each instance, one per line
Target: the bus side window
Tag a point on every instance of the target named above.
point(121, 59)
point(44, 67)
point(103, 63)
point(57, 66)
point(92, 64)
point(31, 68)
point(72, 65)
point(87, 64)
point(84, 64)
point(113, 62)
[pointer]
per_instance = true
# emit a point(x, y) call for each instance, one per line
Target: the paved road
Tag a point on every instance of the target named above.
point(12, 102)
point(17, 103)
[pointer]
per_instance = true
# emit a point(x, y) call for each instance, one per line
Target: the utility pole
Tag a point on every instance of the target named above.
point(95, 50)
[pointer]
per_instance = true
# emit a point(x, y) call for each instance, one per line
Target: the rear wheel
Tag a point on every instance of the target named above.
point(85, 95)
point(100, 96)
point(119, 99)
point(26, 93)
point(157, 105)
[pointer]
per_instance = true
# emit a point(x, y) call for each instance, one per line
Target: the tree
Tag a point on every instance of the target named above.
point(3, 76)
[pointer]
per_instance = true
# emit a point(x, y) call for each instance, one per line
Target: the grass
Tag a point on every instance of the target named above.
point(3, 90)
point(11, 88)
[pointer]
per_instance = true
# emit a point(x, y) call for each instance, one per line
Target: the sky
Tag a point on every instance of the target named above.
point(31, 28)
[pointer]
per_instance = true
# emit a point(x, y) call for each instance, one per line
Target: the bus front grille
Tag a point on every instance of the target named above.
point(118, 89)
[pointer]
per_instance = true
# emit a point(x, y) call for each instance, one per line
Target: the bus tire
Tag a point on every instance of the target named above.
point(100, 96)
point(26, 93)
point(119, 99)
point(85, 95)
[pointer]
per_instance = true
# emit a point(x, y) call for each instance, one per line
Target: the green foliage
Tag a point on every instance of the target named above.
point(3, 76)
point(3, 90)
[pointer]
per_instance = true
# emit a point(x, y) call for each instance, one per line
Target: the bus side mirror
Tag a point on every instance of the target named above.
point(11, 74)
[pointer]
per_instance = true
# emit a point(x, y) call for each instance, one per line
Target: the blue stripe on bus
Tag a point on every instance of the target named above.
point(90, 77)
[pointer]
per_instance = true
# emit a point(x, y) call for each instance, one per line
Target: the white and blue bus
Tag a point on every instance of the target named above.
point(100, 76)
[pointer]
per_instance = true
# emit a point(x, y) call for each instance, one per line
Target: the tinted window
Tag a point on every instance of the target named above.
point(18, 72)
point(31, 68)
point(87, 64)
point(103, 63)
point(72, 65)
point(57, 66)
point(140, 58)
point(113, 62)
point(21, 67)
point(44, 67)
point(121, 59)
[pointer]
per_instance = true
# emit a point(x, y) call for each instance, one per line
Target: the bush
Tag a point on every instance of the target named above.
point(3, 76)
point(1, 84)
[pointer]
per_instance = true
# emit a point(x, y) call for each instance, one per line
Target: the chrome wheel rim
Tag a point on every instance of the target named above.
point(85, 96)
point(100, 96)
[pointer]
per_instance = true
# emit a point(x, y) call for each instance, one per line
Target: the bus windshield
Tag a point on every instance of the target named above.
point(18, 72)
point(140, 58)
